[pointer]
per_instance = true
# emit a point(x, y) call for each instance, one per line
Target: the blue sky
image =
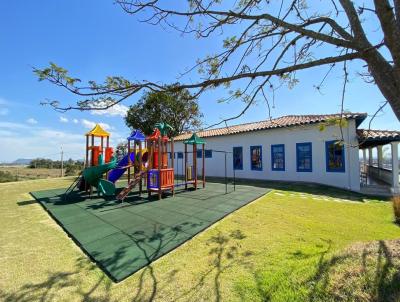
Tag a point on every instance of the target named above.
point(93, 39)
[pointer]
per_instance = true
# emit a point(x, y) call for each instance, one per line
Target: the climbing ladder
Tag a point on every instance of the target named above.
point(122, 195)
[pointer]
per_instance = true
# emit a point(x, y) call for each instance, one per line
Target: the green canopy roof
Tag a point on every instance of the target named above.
point(164, 128)
point(194, 140)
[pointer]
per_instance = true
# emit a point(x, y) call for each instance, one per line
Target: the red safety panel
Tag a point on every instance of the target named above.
point(95, 155)
point(109, 154)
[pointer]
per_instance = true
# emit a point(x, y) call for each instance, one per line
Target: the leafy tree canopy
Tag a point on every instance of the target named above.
point(176, 108)
point(263, 45)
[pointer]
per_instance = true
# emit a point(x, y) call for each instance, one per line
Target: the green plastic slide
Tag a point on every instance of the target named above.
point(94, 177)
point(106, 187)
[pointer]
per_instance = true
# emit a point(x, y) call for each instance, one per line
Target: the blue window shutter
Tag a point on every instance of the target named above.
point(335, 156)
point(304, 157)
point(256, 158)
point(278, 157)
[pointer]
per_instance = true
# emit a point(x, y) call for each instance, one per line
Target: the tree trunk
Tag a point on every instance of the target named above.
point(387, 78)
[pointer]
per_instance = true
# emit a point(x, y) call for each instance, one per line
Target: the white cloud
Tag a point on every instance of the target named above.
point(31, 121)
point(3, 107)
point(42, 141)
point(116, 110)
point(13, 126)
point(75, 121)
point(90, 124)
point(47, 141)
point(63, 119)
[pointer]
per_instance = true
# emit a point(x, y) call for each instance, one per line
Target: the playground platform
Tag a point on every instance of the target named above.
point(125, 237)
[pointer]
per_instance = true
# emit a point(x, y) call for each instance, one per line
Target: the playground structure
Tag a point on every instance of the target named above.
point(98, 160)
point(136, 161)
point(191, 171)
point(160, 176)
point(146, 162)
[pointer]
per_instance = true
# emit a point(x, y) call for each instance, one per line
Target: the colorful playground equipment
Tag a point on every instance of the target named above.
point(191, 171)
point(160, 176)
point(98, 160)
point(135, 160)
point(146, 162)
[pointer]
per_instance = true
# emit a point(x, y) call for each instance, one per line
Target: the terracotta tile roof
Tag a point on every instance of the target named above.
point(280, 122)
point(376, 135)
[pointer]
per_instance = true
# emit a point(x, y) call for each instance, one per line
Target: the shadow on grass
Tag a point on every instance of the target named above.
point(71, 285)
point(26, 202)
point(363, 272)
point(50, 289)
point(226, 254)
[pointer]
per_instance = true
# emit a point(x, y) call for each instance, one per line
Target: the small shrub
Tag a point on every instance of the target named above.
point(6, 176)
point(396, 208)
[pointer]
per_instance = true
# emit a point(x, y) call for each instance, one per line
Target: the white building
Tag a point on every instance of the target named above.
point(304, 148)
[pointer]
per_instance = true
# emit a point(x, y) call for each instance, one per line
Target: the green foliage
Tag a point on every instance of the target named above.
point(56, 72)
point(6, 176)
point(176, 108)
point(71, 166)
point(121, 150)
point(334, 122)
point(71, 170)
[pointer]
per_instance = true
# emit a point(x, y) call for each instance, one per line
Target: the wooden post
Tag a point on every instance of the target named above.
point(87, 152)
point(172, 153)
point(150, 165)
point(134, 157)
point(186, 178)
point(129, 161)
point(195, 165)
point(172, 164)
point(92, 163)
point(140, 168)
point(203, 168)
point(165, 152)
point(102, 154)
point(108, 142)
point(159, 166)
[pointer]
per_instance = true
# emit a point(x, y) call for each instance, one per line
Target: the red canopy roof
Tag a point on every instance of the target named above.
point(156, 134)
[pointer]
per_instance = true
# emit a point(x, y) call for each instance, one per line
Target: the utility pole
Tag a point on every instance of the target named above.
point(62, 162)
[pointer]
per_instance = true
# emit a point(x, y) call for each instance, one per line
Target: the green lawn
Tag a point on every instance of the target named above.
point(286, 246)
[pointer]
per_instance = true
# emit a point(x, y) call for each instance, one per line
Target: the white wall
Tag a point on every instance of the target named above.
point(350, 179)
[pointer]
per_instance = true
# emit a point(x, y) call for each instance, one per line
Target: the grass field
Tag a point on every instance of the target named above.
point(25, 173)
point(299, 244)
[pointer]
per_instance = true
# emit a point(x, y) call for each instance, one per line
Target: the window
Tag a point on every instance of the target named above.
point(237, 158)
point(207, 153)
point(256, 158)
point(180, 154)
point(334, 151)
point(278, 157)
point(304, 157)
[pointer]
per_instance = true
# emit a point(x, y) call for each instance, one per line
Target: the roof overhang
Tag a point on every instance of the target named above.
point(280, 122)
point(368, 138)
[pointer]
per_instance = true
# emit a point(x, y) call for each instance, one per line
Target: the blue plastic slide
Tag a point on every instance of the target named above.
point(116, 173)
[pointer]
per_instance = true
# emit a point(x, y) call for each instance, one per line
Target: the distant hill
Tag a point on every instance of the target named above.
point(22, 161)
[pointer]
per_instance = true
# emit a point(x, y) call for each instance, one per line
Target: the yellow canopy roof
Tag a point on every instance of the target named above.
point(98, 131)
